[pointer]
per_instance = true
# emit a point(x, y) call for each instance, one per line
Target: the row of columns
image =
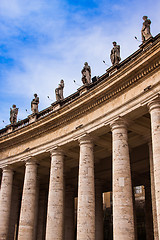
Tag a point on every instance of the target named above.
point(123, 217)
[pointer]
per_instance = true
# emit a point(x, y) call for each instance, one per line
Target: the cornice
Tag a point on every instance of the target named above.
point(79, 107)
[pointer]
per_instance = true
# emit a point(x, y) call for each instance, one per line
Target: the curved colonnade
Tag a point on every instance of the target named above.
point(105, 139)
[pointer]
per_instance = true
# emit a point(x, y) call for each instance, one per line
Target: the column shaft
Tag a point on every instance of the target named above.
point(55, 212)
point(154, 211)
point(86, 192)
point(5, 202)
point(154, 109)
point(14, 215)
point(28, 205)
point(123, 217)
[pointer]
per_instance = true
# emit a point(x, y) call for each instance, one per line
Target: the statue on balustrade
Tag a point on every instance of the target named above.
point(115, 54)
point(86, 73)
point(13, 114)
point(34, 104)
point(59, 91)
point(146, 29)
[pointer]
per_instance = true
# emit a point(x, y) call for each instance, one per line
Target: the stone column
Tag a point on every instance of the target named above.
point(154, 109)
point(54, 229)
point(86, 191)
point(28, 205)
point(5, 201)
point(14, 213)
point(154, 211)
point(69, 213)
point(123, 217)
point(148, 212)
point(99, 210)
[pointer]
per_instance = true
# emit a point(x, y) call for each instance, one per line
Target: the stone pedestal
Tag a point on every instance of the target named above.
point(123, 217)
point(69, 214)
point(28, 205)
point(154, 211)
point(32, 117)
point(86, 191)
point(99, 210)
point(154, 109)
point(5, 202)
point(54, 229)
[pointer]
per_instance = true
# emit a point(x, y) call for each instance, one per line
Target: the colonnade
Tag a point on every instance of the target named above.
point(123, 215)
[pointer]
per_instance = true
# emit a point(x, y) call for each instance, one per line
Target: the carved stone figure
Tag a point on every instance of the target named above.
point(34, 104)
point(13, 114)
point(59, 91)
point(86, 73)
point(146, 29)
point(115, 54)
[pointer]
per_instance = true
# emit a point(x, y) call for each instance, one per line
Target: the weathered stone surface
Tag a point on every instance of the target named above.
point(28, 205)
point(55, 214)
point(5, 201)
point(123, 218)
point(86, 191)
point(154, 210)
point(154, 109)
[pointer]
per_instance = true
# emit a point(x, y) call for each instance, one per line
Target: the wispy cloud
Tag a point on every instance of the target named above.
point(44, 41)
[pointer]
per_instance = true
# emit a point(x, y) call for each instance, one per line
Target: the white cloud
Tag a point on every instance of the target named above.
point(60, 42)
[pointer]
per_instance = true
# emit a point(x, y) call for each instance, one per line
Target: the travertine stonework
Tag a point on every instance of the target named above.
point(123, 219)
point(91, 141)
point(54, 229)
point(28, 207)
point(154, 108)
point(5, 201)
point(154, 211)
point(86, 191)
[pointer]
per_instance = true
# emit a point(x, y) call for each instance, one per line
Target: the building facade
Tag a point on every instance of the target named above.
point(103, 138)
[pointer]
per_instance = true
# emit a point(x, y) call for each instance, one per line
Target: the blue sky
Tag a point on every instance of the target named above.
point(44, 41)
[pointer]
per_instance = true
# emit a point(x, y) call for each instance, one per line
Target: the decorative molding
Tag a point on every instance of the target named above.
point(78, 111)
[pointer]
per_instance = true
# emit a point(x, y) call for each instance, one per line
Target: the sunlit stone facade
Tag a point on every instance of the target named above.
point(103, 138)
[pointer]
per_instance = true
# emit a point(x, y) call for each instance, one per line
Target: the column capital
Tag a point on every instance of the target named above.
point(85, 139)
point(56, 151)
point(31, 161)
point(119, 123)
point(7, 168)
point(154, 104)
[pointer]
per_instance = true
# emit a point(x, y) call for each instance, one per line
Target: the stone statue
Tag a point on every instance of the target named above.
point(86, 73)
point(59, 91)
point(146, 29)
point(13, 114)
point(115, 54)
point(34, 104)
